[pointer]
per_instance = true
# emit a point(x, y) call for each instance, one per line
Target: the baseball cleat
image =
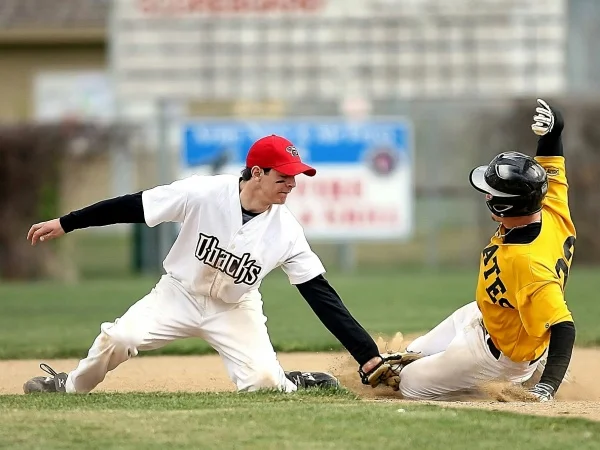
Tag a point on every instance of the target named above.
point(305, 380)
point(56, 382)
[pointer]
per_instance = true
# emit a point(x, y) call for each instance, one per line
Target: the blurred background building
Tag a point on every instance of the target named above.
point(125, 79)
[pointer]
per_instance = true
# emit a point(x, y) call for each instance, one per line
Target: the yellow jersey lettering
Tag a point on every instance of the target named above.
point(563, 264)
point(497, 287)
point(495, 269)
point(488, 252)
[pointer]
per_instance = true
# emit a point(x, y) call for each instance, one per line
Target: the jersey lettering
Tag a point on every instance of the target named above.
point(563, 264)
point(488, 252)
point(496, 287)
point(241, 269)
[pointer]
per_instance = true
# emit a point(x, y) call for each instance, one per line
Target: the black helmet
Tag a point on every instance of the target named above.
point(515, 183)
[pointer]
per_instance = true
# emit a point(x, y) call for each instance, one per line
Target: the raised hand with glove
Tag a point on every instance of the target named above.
point(547, 119)
point(543, 121)
point(548, 124)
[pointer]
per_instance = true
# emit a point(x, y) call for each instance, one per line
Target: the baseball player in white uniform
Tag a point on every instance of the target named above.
point(234, 231)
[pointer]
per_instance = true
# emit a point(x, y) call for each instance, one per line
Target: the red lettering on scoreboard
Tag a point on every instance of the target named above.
point(217, 6)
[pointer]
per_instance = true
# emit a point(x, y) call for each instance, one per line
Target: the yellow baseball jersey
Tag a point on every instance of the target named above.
point(520, 290)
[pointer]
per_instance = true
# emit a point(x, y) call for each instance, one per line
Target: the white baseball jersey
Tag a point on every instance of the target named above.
point(215, 255)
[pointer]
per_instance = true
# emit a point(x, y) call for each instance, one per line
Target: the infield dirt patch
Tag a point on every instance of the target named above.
point(579, 398)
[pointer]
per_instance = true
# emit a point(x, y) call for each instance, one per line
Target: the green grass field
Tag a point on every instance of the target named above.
point(46, 320)
point(305, 420)
point(54, 320)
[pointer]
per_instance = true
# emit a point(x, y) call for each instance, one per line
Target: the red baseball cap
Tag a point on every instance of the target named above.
point(276, 152)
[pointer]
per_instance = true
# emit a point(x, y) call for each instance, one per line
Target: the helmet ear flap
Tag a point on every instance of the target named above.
point(501, 209)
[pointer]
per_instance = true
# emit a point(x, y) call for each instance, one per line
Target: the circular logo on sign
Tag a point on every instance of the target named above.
point(382, 161)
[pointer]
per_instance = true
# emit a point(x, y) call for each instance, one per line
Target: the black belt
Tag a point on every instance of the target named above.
point(496, 353)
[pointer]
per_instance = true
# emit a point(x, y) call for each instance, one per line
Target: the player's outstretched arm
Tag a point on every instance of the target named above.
point(165, 203)
point(374, 368)
point(548, 124)
point(305, 271)
point(329, 308)
point(125, 209)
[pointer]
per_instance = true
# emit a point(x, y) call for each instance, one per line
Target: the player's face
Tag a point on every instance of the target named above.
point(277, 186)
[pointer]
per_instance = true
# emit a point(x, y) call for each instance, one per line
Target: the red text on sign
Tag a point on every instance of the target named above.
point(214, 6)
point(360, 217)
point(332, 189)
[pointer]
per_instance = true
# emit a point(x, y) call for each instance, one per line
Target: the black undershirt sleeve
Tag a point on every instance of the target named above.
point(125, 209)
point(562, 339)
point(329, 308)
point(551, 144)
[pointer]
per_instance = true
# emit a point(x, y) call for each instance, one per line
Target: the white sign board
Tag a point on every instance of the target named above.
point(82, 95)
point(363, 188)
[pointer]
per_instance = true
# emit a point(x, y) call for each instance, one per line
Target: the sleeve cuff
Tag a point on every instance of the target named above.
point(67, 222)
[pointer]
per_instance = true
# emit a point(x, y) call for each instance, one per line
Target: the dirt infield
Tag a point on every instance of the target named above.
point(580, 398)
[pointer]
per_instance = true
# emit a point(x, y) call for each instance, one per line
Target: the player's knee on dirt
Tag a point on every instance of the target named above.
point(111, 348)
point(261, 377)
point(121, 341)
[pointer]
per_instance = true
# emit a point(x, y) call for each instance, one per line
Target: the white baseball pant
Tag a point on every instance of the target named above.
point(457, 359)
point(236, 331)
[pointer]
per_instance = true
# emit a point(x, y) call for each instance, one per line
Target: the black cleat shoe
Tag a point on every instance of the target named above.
point(305, 380)
point(56, 382)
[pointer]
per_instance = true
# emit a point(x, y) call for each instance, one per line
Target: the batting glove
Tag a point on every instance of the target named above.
point(543, 121)
point(542, 392)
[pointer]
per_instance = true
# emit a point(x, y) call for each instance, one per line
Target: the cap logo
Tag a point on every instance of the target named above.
point(292, 150)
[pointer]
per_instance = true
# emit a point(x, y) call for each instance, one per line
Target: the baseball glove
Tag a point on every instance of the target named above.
point(547, 119)
point(387, 372)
